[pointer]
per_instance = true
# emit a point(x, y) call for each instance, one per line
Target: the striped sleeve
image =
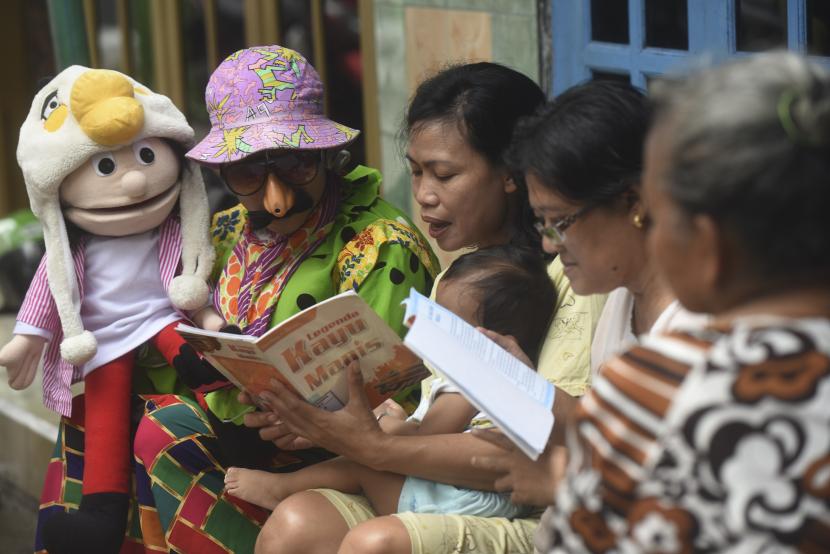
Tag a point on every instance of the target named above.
point(170, 249)
point(38, 308)
point(622, 417)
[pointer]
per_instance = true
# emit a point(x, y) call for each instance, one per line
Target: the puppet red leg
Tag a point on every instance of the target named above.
point(107, 447)
point(193, 370)
point(101, 520)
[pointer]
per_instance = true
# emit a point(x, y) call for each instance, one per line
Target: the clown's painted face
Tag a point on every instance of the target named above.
point(123, 192)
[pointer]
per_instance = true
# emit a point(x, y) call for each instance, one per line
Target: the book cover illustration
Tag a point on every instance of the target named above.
point(309, 353)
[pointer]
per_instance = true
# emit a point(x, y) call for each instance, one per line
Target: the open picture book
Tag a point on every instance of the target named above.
point(309, 353)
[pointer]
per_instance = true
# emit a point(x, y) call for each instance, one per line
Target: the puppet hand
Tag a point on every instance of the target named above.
point(20, 356)
point(208, 318)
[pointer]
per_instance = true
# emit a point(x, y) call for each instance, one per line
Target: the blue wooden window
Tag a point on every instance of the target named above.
point(582, 49)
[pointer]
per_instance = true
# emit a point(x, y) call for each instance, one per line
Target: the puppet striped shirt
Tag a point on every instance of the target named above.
point(39, 311)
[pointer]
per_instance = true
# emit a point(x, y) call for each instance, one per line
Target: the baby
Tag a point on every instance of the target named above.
point(503, 289)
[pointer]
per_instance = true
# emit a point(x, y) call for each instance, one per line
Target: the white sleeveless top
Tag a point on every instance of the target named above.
point(125, 303)
point(614, 333)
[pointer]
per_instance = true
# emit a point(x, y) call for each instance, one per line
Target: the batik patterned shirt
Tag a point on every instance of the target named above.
point(713, 441)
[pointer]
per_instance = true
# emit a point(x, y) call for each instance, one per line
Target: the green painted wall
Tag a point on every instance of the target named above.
point(514, 28)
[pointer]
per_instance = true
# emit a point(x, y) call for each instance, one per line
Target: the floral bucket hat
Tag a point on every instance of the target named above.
point(262, 98)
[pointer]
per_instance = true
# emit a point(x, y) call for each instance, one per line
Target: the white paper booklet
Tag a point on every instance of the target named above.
point(516, 398)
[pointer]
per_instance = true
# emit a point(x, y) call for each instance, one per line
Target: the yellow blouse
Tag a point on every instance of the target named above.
point(565, 359)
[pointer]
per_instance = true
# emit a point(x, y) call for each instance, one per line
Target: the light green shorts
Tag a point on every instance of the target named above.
point(444, 534)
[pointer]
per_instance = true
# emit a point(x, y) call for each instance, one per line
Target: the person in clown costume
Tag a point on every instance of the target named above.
point(304, 230)
point(125, 220)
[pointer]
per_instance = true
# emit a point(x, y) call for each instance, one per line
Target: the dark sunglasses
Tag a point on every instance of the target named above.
point(295, 169)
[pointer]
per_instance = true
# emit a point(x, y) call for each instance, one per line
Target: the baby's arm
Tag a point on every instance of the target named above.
point(392, 419)
point(449, 413)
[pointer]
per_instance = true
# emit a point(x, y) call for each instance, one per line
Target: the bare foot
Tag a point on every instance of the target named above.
point(257, 487)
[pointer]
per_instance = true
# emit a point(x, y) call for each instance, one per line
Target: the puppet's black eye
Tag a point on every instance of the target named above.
point(104, 164)
point(144, 153)
point(49, 105)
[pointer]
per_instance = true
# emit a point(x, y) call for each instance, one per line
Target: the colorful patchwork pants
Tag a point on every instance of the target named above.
point(178, 499)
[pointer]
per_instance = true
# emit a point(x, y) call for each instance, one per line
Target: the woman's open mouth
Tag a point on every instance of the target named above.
point(437, 227)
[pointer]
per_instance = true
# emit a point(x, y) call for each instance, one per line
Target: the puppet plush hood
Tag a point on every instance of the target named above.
point(83, 112)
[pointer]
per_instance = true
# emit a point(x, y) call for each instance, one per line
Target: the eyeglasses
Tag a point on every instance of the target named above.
point(294, 169)
point(556, 232)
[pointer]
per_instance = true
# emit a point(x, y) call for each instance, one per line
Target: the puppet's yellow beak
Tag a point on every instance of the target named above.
point(104, 105)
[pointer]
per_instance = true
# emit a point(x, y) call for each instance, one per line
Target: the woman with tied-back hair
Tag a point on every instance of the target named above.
point(719, 439)
point(582, 158)
point(458, 128)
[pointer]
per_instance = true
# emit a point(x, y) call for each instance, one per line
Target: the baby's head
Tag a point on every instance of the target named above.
point(504, 289)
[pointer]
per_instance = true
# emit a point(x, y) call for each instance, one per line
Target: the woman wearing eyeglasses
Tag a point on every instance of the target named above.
point(582, 158)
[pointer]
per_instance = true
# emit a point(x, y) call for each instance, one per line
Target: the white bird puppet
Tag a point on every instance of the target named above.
point(125, 219)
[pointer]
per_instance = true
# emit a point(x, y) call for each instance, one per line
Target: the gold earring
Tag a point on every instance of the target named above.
point(637, 221)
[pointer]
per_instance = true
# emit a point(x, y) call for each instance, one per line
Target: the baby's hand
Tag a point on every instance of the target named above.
point(391, 409)
point(21, 356)
point(391, 417)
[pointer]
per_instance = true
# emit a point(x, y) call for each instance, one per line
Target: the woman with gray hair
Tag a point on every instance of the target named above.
point(719, 439)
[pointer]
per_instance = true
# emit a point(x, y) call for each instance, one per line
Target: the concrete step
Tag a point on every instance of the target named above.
point(27, 438)
point(18, 512)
